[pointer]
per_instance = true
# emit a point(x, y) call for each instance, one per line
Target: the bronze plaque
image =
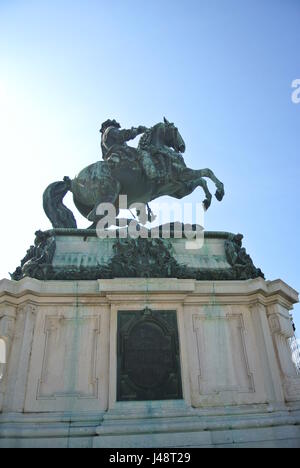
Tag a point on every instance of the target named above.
point(148, 356)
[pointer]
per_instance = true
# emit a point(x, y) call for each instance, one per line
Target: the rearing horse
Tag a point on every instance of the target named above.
point(104, 181)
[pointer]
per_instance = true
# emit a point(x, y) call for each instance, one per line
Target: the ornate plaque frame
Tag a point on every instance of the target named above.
point(148, 360)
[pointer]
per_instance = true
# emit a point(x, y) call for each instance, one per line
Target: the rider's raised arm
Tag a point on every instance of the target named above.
point(126, 135)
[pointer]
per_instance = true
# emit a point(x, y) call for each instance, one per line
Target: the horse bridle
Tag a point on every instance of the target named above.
point(174, 131)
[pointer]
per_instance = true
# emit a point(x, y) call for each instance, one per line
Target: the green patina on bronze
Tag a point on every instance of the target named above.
point(135, 258)
point(153, 169)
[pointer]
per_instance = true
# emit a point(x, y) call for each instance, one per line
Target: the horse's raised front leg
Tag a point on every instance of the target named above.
point(190, 185)
point(188, 174)
point(220, 186)
point(202, 183)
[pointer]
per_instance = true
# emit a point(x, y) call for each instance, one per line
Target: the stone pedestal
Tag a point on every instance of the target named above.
point(239, 384)
point(146, 343)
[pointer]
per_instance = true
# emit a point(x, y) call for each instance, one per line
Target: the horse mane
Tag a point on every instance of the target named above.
point(145, 140)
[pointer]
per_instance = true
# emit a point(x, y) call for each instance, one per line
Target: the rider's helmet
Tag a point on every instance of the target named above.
point(109, 123)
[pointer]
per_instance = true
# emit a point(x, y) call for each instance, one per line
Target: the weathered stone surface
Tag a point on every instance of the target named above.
point(234, 362)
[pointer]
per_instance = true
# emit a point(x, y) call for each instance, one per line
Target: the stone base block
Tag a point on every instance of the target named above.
point(160, 427)
point(238, 385)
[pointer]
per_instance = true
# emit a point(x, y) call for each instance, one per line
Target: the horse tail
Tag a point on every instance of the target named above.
point(59, 215)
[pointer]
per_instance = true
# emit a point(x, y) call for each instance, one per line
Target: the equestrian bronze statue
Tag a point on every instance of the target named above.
point(153, 169)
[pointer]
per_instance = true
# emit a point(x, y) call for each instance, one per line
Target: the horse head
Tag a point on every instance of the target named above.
point(173, 139)
point(163, 134)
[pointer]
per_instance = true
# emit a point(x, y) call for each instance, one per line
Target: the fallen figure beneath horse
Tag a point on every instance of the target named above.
point(154, 169)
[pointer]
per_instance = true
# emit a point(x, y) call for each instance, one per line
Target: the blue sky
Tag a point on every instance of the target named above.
point(220, 70)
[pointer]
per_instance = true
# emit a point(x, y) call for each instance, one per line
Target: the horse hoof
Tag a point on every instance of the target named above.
point(219, 195)
point(206, 204)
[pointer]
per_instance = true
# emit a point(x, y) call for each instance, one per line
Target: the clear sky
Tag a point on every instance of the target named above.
point(220, 70)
